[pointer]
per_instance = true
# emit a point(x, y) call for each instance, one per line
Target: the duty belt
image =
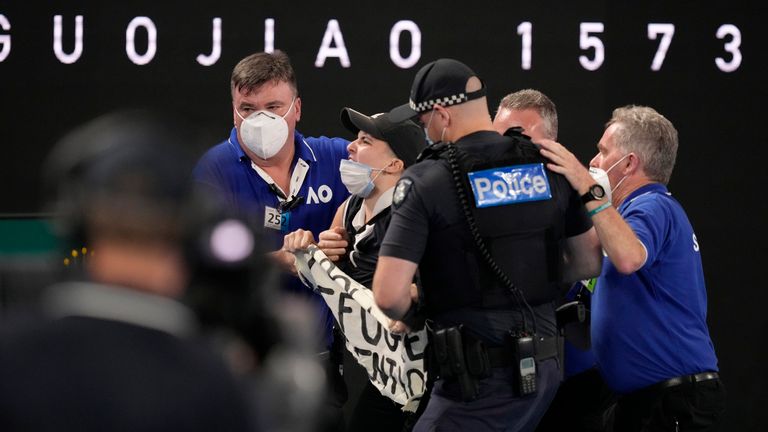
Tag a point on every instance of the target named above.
point(503, 356)
point(460, 356)
point(686, 379)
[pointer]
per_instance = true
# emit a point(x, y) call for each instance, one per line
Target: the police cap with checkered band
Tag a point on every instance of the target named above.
point(441, 82)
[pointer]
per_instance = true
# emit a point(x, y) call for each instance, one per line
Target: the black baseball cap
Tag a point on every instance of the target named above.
point(405, 138)
point(441, 82)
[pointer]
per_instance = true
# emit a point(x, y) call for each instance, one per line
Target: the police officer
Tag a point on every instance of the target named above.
point(493, 233)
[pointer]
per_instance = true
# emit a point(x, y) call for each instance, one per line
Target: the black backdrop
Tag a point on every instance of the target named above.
point(720, 172)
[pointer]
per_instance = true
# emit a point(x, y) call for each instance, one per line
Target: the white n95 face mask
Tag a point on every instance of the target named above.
point(601, 177)
point(356, 177)
point(264, 133)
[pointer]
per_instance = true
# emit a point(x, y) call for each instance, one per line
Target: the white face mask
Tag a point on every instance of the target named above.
point(264, 133)
point(426, 128)
point(356, 177)
point(601, 177)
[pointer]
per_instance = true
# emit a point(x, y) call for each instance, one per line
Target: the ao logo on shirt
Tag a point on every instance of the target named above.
point(323, 194)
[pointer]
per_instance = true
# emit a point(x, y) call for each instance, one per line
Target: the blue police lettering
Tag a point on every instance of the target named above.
point(510, 185)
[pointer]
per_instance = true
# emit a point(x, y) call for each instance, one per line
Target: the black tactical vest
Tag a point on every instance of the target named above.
point(524, 239)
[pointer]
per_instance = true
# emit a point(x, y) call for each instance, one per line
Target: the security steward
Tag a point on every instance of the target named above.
point(493, 233)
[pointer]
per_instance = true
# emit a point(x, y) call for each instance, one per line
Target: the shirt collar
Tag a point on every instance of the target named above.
point(382, 203)
point(642, 190)
point(235, 144)
point(303, 150)
point(114, 303)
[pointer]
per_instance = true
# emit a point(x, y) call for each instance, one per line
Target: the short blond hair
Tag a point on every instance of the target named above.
point(648, 134)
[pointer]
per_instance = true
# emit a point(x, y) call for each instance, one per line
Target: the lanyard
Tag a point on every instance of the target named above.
point(290, 200)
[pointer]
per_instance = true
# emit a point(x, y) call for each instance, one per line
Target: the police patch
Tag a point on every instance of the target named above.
point(510, 185)
point(401, 191)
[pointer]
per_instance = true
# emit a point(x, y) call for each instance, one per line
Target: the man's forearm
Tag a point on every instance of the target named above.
point(620, 243)
point(392, 286)
point(583, 257)
point(285, 260)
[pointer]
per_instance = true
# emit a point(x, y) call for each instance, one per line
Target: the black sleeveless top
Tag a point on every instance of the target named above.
point(364, 243)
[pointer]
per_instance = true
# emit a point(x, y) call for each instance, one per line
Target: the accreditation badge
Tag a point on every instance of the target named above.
point(273, 219)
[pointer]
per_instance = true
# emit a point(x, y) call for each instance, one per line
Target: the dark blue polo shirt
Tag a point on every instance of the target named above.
point(226, 170)
point(651, 325)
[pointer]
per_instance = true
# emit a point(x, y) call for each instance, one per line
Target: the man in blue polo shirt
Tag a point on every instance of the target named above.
point(649, 330)
point(268, 171)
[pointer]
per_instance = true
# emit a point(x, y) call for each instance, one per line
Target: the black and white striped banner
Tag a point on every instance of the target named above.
point(395, 363)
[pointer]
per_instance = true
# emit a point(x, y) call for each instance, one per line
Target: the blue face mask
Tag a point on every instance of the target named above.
point(356, 177)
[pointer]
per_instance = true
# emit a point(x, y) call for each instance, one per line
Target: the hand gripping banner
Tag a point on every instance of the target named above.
point(394, 362)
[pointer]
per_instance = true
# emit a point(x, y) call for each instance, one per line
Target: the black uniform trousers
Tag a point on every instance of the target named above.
point(690, 406)
point(580, 405)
